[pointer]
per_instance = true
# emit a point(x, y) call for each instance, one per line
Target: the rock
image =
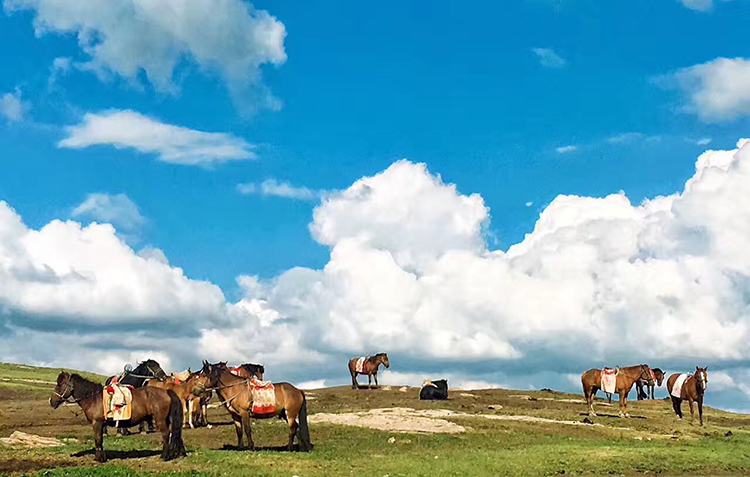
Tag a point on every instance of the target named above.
point(728, 434)
point(19, 438)
point(391, 440)
point(403, 389)
point(468, 395)
point(494, 407)
point(386, 388)
point(638, 438)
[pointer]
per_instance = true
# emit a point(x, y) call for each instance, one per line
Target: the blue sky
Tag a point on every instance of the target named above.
point(516, 101)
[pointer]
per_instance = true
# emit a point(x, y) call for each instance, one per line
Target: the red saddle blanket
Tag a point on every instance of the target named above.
point(264, 396)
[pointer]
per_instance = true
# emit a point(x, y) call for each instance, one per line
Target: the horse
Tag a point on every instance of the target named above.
point(692, 389)
point(137, 378)
point(185, 391)
point(656, 379)
point(369, 367)
point(248, 370)
point(161, 407)
point(591, 381)
point(234, 392)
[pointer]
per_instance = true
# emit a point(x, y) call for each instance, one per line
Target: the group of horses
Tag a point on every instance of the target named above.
point(692, 389)
point(168, 403)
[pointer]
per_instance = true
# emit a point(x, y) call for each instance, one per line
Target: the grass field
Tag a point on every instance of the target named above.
point(653, 441)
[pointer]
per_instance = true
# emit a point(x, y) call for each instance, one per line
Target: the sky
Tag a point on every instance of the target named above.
point(497, 193)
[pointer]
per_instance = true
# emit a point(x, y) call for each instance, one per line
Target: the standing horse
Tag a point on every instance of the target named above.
point(369, 367)
point(592, 379)
point(149, 369)
point(693, 389)
point(161, 407)
point(236, 395)
point(645, 388)
point(185, 391)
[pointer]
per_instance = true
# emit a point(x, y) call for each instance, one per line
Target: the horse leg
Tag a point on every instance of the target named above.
point(375, 375)
point(164, 428)
point(291, 416)
point(700, 409)
point(98, 441)
point(190, 403)
point(677, 406)
point(623, 404)
point(238, 429)
point(369, 380)
point(248, 430)
point(609, 397)
point(355, 384)
point(692, 411)
point(590, 397)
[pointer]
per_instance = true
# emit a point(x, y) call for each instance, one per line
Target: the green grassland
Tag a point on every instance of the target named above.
point(653, 441)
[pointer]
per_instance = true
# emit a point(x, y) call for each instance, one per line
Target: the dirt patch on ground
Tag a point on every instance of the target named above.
point(396, 419)
point(405, 419)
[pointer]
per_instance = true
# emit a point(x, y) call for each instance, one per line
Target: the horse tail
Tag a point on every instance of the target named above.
point(303, 433)
point(176, 446)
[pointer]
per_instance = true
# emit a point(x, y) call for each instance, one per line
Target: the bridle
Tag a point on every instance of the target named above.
point(63, 398)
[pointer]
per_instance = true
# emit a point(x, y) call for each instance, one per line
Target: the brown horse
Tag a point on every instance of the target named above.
point(592, 379)
point(234, 392)
point(692, 389)
point(185, 391)
point(369, 367)
point(248, 370)
point(163, 408)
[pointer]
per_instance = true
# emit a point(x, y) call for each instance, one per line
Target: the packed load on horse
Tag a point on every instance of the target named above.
point(619, 381)
point(136, 378)
point(280, 399)
point(682, 386)
point(161, 407)
point(434, 390)
point(367, 365)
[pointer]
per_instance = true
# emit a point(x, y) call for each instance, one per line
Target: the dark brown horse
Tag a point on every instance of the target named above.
point(369, 367)
point(234, 392)
point(644, 388)
point(626, 377)
point(692, 389)
point(248, 370)
point(163, 408)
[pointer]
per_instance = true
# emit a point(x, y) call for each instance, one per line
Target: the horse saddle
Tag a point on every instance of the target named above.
point(117, 400)
point(609, 380)
point(263, 394)
point(181, 377)
point(359, 365)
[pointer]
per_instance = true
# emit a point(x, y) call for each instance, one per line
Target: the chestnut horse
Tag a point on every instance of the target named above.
point(626, 377)
point(185, 391)
point(693, 390)
point(234, 392)
point(161, 407)
point(369, 367)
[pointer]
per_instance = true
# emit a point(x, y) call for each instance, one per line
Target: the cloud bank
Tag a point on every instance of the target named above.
point(598, 281)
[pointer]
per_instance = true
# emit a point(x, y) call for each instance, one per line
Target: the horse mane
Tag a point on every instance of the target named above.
point(84, 386)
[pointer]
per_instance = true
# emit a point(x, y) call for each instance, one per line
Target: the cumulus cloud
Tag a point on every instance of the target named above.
point(598, 281)
point(116, 209)
point(549, 58)
point(227, 38)
point(715, 91)
point(174, 144)
point(12, 107)
point(271, 187)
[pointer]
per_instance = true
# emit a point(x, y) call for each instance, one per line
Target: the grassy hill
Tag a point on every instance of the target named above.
point(504, 432)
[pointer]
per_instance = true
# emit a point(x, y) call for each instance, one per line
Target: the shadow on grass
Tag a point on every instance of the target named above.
point(229, 447)
point(116, 454)
point(613, 416)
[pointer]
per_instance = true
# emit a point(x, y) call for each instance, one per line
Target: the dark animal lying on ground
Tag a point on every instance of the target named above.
point(434, 390)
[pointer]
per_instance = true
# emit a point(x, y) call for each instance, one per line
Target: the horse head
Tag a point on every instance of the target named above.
point(63, 390)
point(212, 372)
point(701, 376)
point(383, 358)
point(150, 368)
point(645, 372)
point(659, 375)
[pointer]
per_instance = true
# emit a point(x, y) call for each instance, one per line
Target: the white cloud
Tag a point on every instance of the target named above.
point(116, 209)
point(12, 107)
point(174, 144)
point(529, 204)
point(704, 141)
point(271, 187)
point(598, 281)
point(549, 58)
point(567, 149)
point(699, 5)
point(631, 137)
point(228, 38)
point(718, 90)
point(314, 384)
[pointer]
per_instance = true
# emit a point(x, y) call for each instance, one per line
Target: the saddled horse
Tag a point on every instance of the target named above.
point(148, 369)
point(626, 377)
point(248, 370)
point(645, 388)
point(235, 392)
point(161, 407)
point(369, 367)
point(185, 391)
point(693, 389)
